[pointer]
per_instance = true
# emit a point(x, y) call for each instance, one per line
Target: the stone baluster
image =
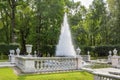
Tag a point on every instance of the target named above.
point(49, 64)
point(41, 65)
point(100, 76)
point(44, 65)
point(55, 64)
point(68, 63)
point(37, 65)
point(95, 77)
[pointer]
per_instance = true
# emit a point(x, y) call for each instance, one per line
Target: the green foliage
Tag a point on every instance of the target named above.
point(3, 57)
point(3, 60)
point(100, 51)
point(4, 48)
point(38, 22)
point(103, 50)
point(48, 17)
point(88, 48)
point(8, 74)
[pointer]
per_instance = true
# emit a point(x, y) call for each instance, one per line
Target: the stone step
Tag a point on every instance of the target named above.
point(6, 64)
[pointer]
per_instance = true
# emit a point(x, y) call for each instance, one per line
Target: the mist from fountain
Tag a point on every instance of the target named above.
point(65, 47)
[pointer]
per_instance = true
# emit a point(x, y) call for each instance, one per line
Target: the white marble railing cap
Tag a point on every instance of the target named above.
point(107, 75)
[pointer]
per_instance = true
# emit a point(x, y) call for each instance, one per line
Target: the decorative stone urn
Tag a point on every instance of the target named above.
point(18, 51)
point(115, 52)
point(29, 49)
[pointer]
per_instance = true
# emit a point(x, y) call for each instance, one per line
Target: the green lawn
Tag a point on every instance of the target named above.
point(8, 74)
point(100, 65)
point(3, 60)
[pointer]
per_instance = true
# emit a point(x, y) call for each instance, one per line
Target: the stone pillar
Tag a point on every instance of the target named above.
point(110, 57)
point(79, 62)
point(88, 56)
point(29, 66)
point(115, 58)
point(12, 56)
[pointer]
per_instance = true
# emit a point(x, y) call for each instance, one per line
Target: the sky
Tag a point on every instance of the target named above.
point(86, 3)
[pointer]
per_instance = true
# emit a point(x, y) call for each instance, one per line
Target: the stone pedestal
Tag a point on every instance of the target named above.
point(88, 58)
point(79, 62)
point(115, 61)
point(115, 58)
point(110, 59)
point(12, 59)
point(29, 66)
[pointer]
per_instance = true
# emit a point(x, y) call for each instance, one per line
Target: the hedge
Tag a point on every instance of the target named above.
point(4, 48)
point(101, 50)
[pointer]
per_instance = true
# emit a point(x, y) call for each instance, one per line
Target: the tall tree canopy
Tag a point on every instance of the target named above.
point(38, 22)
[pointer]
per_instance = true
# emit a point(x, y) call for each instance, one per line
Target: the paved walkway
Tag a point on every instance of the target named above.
point(103, 70)
point(6, 64)
point(106, 70)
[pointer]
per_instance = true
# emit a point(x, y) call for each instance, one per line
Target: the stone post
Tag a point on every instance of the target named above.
point(79, 62)
point(35, 53)
point(12, 56)
point(110, 57)
point(29, 65)
point(115, 58)
point(88, 56)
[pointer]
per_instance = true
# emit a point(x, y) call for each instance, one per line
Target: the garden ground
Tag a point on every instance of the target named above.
point(8, 74)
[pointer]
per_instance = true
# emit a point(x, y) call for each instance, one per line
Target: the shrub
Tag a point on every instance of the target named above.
point(100, 50)
point(103, 50)
point(4, 48)
point(90, 49)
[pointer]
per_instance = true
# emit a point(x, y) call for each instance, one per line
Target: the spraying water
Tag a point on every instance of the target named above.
point(65, 47)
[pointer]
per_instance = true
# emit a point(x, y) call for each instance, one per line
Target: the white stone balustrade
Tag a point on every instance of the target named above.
point(85, 57)
point(46, 64)
point(102, 76)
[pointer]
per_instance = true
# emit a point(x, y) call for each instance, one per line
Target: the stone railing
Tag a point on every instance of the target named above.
point(46, 64)
point(102, 76)
point(85, 57)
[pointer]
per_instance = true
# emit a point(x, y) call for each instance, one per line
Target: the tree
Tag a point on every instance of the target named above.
point(48, 18)
point(96, 21)
point(114, 9)
point(23, 23)
point(4, 22)
point(12, 4)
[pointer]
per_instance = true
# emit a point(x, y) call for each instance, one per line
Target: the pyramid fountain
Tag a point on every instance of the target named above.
point(65, 59)
point(65, 47)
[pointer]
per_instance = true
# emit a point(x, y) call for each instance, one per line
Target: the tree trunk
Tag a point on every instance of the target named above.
point(12, 4)
point(23, 42)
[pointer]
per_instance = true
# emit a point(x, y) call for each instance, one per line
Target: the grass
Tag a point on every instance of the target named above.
point(8, 74)
point(4, 60)
point(100, 65)
point(94, 58)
